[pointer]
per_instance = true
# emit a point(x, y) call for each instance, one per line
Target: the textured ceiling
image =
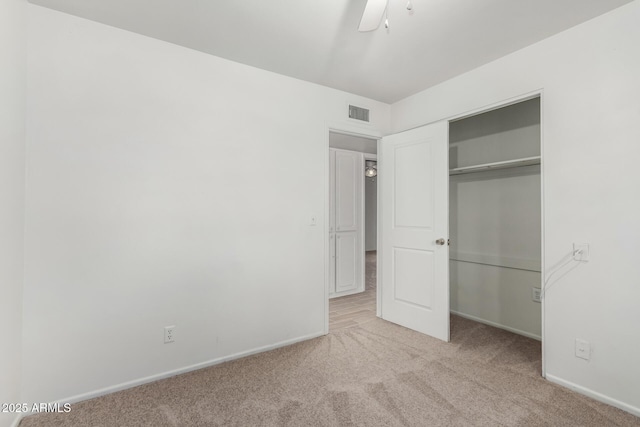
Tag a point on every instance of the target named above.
point(318, 41)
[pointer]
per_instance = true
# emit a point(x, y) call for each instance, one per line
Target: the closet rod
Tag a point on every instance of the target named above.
point(498, 264)
point(526, 161)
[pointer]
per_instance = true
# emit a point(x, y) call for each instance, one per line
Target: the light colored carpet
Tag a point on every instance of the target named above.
point(372, 373)
point(375, 374)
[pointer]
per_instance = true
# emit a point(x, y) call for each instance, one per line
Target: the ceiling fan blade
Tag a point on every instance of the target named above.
point(372, 15)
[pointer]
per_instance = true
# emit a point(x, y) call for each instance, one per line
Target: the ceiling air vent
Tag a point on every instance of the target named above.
point(358, 113)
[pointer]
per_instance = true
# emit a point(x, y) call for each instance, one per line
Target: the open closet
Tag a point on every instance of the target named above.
point(495, 217)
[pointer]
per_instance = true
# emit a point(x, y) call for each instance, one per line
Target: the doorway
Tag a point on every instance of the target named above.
point(352, 230)
point(495, 218)
point(490, 160)
point(418, 167)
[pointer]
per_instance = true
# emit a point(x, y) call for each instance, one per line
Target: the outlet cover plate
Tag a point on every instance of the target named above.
point(536, 295)
point(169, 334)
point(581, 252)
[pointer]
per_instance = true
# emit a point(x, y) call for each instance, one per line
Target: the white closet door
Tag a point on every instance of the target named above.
point(332, 190)
point(348, 165)
point(332, 221)
point(347, 258)
point(332, 263)
point(346, 218)
point(414, 179)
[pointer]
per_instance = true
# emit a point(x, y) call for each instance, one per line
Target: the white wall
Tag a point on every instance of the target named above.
point(166, 187)
point(12, 146)
point(370, 214)
point(353, 143)
point(591, 128)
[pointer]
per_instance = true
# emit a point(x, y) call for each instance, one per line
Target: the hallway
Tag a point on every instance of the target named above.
point(357, 309)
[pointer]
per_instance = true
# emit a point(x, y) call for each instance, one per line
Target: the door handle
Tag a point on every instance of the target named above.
point(440, 242)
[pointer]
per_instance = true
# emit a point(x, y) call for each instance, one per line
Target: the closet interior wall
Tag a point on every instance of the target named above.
point(495, 217)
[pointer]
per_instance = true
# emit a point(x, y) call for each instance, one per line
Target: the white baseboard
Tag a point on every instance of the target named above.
point(595, 395)
point(17, 420)
point(130, 384)
point(345, 293)
point(497, 325)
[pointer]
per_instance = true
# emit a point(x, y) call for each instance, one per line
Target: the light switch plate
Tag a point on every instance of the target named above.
point(583, 349)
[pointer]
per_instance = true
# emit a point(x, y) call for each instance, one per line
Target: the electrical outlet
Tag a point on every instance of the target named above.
point(583, 349)
point(536, 295)
point(169, 334)
point(581, 252)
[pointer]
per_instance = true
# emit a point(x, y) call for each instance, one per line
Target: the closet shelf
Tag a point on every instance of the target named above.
point(526, 161)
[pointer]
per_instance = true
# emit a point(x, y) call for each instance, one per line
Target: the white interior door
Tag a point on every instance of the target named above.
point(332, 222)
point(348, 183)
point(346, 219)
point(414, 198)
point(347, 258)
